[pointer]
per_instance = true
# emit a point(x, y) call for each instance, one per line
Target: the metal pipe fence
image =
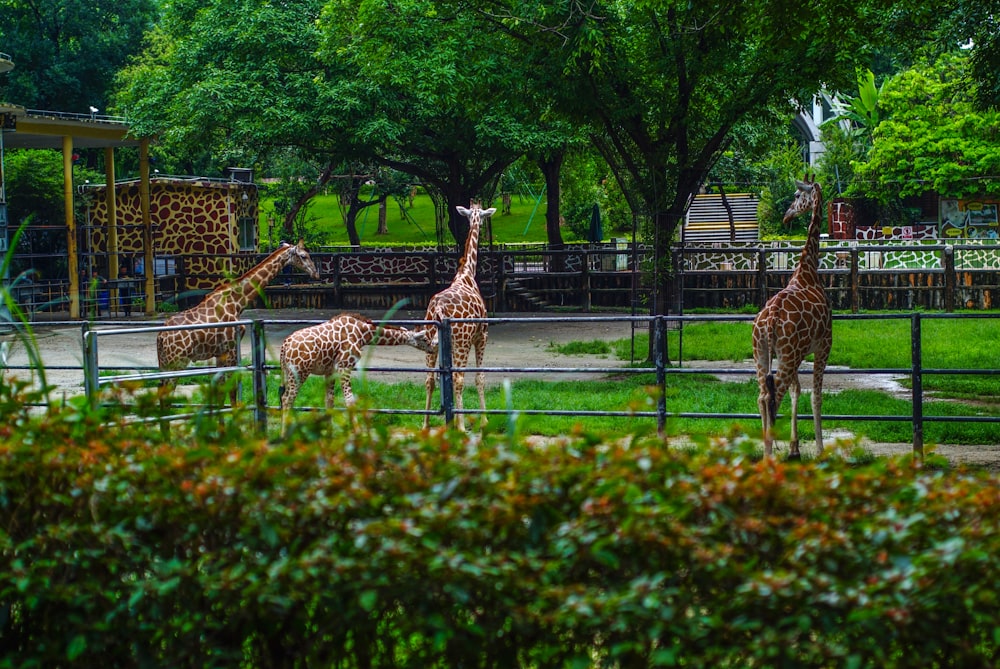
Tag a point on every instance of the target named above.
point(659, 363)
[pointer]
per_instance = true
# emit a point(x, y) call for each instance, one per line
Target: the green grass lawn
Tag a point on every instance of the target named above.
point(416, 225)
point(868, 344)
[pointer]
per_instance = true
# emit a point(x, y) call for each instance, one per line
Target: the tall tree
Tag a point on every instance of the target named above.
point(66, 52)
point(975, 24)
point(449, 102)
point(665, 81)
point(242, 80)
point(932, 137)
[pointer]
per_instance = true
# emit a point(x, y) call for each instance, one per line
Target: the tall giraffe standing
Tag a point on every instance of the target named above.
point(794, 323)
point(335, 346)
point(462, 299)
point(176, 348)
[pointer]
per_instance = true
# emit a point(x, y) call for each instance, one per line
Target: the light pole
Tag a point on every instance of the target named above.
point(6, 64)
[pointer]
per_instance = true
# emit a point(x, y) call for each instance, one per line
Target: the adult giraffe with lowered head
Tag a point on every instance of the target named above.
point(462, 299)
point(176, 348)
point(795, 322)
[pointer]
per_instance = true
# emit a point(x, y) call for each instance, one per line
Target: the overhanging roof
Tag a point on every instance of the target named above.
point(34, 129)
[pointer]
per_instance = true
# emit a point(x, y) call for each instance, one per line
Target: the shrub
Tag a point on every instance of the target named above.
point(371, 548)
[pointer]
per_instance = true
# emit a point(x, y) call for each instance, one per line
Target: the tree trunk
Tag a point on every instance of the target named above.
point(288, 226)
point(383, 224)
point(551, 166)
point(729, 212)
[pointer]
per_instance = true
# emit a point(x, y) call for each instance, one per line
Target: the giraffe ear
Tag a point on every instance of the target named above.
point(463, 211)
point(490, 211)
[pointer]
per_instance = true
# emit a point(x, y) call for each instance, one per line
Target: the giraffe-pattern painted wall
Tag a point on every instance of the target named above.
point(875, 255)
point(194, 219)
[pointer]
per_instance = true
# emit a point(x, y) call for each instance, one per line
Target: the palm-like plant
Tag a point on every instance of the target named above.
point(860, 112)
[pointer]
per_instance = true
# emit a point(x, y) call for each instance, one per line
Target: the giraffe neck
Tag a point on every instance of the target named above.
point(809, 260)
point(244, 290)
point(467, 265)
point(389, 335)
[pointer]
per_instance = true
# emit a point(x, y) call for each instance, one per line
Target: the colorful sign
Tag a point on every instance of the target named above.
point(974, 219)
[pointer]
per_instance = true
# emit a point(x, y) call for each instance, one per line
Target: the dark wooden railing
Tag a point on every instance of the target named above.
point(861, 276)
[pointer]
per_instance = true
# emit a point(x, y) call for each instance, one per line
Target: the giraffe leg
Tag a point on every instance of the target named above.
point(817, 402)
point(794, 390)
point(764, 404)
point(345, 385)
point(429, 385)
point(229, 360)
point(289, 391)
point(480, 345)
point(459, 381)
point(777, 386)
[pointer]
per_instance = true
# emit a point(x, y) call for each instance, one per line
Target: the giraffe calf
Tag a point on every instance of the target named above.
point(335, 346)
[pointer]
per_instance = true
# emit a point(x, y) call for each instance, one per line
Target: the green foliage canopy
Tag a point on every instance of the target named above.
point(240, 80)
point(932, 137)
point(664, 83)
point(66, 52)
point(449, 99)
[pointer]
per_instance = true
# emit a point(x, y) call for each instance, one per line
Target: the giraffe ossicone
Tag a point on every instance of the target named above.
point(334, 347)
point(461, 300)
point(175, 349)
point(795, 322)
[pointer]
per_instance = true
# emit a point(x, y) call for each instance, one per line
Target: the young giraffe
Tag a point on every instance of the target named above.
point(462, 299)
point(176, 348)
point(794, 323)
point(335, 346)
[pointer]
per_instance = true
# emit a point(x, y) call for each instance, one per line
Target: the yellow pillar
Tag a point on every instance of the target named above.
point(147, 227)
point(109, 182)
point(71, 250)
point(113, 257)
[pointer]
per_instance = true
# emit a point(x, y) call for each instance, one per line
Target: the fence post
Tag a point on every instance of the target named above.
point(585, 280)
point(855, 275)
point(337, 288)
point(916, 379)
point(90, 372)
point(659, 356)
point(444, 365)
point(258, 362)
point(500, 281)
point(761, 277)
point(949, 278)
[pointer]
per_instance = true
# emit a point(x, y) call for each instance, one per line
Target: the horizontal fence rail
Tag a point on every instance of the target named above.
point(858, 275)
point(659, 328)
point(260, 368)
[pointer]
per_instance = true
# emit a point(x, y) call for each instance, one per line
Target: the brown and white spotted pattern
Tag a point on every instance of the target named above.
point(175, 349)
point(194, 219)
point(794, 323)
point(462, 299)
point(334, 347)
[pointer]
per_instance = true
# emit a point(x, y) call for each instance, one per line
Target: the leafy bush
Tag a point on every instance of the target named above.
point(371, 548)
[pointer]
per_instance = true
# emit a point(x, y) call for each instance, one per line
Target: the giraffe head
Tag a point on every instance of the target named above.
point(807, 198)
point(300, 258)
point(425, 340)
point(476, 213)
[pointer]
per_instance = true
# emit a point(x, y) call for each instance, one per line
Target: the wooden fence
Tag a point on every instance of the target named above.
point(859, 276)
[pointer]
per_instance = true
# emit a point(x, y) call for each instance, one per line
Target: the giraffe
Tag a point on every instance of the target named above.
point(335, 346)
point(462, 299)
point(176, 348)
point(795, 322)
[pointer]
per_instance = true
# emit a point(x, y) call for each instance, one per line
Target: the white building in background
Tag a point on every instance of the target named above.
point(807, 125)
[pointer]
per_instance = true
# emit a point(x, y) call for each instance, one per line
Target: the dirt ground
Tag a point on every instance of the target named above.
point(519, 347)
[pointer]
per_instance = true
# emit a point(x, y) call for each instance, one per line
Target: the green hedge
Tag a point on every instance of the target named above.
point(122, 548)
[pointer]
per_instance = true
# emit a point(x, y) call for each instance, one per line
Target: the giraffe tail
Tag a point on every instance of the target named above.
point(772, 409)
